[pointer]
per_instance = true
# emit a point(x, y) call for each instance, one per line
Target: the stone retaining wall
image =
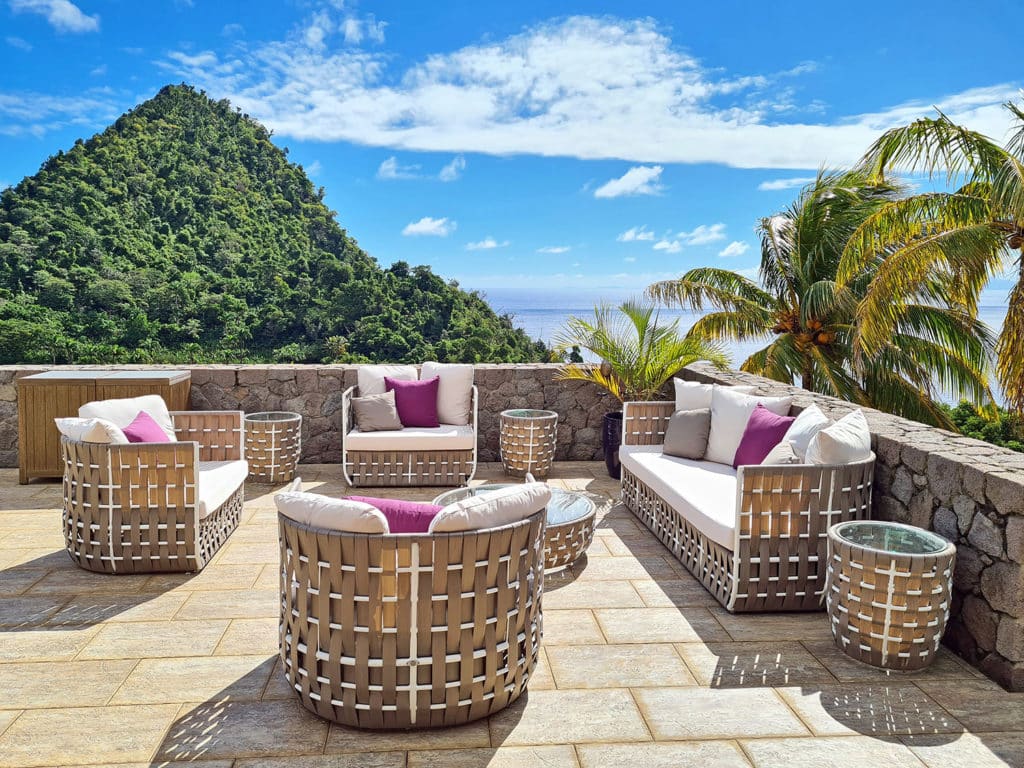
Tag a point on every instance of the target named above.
point(966, 490)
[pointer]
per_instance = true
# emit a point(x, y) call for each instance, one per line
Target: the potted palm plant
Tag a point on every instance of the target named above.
point(637, 356)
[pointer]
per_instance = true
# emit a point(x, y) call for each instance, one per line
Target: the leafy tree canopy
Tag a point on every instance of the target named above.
point(183, 234)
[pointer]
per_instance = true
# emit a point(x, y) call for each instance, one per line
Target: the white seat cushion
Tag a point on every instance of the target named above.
point(370, 378)
point(123, 411)
point(703, 492)
point(492, 509)
point(217, 481)
point(319, 511)
point(447, 437)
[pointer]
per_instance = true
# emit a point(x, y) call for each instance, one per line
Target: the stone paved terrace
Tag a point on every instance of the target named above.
point(639, 667)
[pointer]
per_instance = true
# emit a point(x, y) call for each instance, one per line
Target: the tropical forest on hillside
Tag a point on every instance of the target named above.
point(181, 233)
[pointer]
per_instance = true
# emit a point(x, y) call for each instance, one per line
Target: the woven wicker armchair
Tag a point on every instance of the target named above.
point(410, 631)
point(778, 557)
point(138, 508)
point(431, 462)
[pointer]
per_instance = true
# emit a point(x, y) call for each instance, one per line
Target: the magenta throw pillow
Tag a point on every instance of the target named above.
point(144, 429)
point(415, 401)
point(403, 516)
point(764, 431)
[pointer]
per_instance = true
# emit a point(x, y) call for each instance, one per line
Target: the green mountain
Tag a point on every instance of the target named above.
point(182, 234)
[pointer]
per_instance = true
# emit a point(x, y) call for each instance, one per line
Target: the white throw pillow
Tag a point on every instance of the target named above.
point(492, 509)
point(371, 377)
point(845, 442)
point(454, 390)
point(692, 395)
point(809, 422)
point(91, 431)
point(123, 412)
point(319, 511)
point(730, 412)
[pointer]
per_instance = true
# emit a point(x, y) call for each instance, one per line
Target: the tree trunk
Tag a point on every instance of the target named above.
point(807, 378)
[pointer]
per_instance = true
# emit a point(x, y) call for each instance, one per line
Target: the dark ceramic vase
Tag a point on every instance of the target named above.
point(611, 438)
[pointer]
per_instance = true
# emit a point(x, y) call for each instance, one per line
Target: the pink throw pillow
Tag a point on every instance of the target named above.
point(402, 516)
point(144, 429)
point(764, 431)
point(415, 401)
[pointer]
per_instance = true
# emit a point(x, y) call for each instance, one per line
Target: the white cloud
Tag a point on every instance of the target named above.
point(37, 113)
point(320, 26)
point(98, 71)
point(355, 30)
point(232, 30)
point(17, 42)
point(314, 168)
point(196, 60)
point(487, 244)
point(639, 180)
point(63, 15)
point(555, 249)
point(629, 259)
point(668, 246)
point(577, 87)
point(703, 234)
point(776, 184)
point(429, 226)
point(390, 170)
point(735, 248)
point(453, 170)
point(635, 233)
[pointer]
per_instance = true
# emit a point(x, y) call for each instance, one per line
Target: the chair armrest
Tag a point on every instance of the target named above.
point(644, 423)
point(474, 419)
point(218, 433)
point(346, 411)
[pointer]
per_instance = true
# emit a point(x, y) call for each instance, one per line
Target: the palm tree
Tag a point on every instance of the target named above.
point(957, 239)
point(813, 317)
point(638, 353)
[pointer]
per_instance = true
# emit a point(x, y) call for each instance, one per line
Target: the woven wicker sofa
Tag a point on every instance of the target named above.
point(756, 536)
point(422, 630)
point(445, 455)
point(155, 507)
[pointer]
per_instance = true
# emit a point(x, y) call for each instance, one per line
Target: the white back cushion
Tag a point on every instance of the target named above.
point(371, 377)
point(846, 441)
point(492, 509)
point(692, 395)
point(333, 514)
point(730, 412)
point(122, 412)
point(809, 422)
point(454, 390)
point(91, 430)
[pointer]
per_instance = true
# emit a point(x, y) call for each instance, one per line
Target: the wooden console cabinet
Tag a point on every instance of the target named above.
point(43, 397)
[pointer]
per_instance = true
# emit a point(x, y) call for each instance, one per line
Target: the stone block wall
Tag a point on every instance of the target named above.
point(968, 491)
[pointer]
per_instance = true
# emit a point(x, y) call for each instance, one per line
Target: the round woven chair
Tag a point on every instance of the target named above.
point(410, 631)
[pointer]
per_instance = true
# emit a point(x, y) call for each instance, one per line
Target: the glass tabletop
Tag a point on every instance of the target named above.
point(527, 413)
point(891, 537)
point(271, 416)
point(565, 506)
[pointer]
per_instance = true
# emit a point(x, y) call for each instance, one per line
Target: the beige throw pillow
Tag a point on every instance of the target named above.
point(492, 509)
point(123, 411)
point(783, 453)
point(376, 413)
point(454, 390)
point(370, 378)
point(319, 511)
point(691, 395)
point(686, 435)
point(730, 412)
point(845, 442)
point(91, 431)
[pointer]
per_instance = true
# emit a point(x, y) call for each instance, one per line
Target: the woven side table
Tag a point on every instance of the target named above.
point(888, 592)
point(527, 441)
point(273, 444)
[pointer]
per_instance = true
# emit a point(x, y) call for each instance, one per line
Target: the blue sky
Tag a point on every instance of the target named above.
point(562, 151)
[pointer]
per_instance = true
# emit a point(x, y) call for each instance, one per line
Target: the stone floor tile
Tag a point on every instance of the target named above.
point(71, 580)
point(571, 627)
point(682, 593)
point(270, 577)
point(717, 713)
point(89, 610)
point(33, 557)
point(590, 594)
point(659, 625)
point(946, 666)
point(241, 553)
point(250, 636)
point(45, 645)
point(14, 581)
point(220, 678)
point(736, 665)
point(981, 705)
point(624, 569)
point(85, 736)
point(968, 750)
point(716, 754)
point(8, 716)
point(880, 711)
point(345, 739)
point(228, 729)
point(646, 546)
point(377, 760)
point(155, 639)
point(31, 611)
point(50, 536)
point(542, 679)
point(561, 717)
point(834, 752)
point(278, 686)
point(772, 627)
point(560, 756)
point(39, 685)
point(617, 666)
point(231, 604)
point(241, 576)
